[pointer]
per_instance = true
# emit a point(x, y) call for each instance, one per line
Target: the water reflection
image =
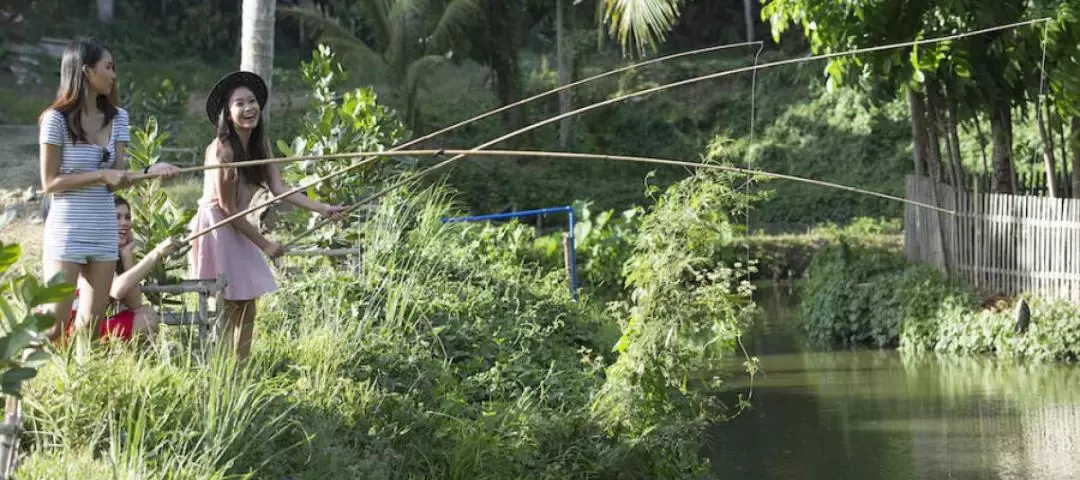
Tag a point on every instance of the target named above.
point(882, 415)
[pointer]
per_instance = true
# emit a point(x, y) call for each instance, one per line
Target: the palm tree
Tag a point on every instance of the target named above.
point(645, 22)
point(257, 40)
point(408, 38)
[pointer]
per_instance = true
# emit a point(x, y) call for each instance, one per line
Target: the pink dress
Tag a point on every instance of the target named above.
point(226, 250)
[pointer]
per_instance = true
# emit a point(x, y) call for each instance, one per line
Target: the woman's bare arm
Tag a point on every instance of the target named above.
point(277, 187)
point(53, 182)
point(227, 179)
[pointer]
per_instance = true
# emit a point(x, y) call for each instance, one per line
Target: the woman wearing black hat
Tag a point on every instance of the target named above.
point(236, 250)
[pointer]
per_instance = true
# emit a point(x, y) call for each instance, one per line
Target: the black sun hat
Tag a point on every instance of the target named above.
point(219, 95)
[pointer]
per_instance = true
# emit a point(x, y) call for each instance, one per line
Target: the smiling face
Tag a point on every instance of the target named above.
point(101, 76)
point(123, 220)
point(244, 109)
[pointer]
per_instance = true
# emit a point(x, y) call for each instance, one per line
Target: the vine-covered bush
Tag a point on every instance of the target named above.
point(865, 296)
point(860, 296)
point(685, 308)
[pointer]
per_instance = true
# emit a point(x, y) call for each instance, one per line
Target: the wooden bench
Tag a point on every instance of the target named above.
point(203, 316)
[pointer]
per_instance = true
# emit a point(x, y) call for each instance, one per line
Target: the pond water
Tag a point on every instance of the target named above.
point(883, 415)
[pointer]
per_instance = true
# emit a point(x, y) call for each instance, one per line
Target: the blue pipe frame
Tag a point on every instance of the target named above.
point(528, 213)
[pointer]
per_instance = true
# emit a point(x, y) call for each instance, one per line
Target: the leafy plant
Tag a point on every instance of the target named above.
point(349, 122)
point(860, 295)
point(24, 326)
point(603, 242)
point(154, 216)
point(162, 99)
point(685, 309)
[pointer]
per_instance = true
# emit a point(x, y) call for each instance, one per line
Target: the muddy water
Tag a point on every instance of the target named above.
point(882, 415)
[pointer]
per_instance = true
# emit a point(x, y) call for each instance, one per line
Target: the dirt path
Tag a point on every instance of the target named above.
point(18, 172)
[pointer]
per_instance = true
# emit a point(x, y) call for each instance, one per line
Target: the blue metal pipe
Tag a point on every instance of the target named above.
point(526, 213)
point(502, 216)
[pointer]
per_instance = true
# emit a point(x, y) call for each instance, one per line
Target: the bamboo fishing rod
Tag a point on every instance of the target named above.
point(649, 160)
point(465, 122)
point(592, 107)
point(659, 88)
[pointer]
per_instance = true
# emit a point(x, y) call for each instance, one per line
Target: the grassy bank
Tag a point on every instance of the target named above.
point(859, 296)
point(445, 355)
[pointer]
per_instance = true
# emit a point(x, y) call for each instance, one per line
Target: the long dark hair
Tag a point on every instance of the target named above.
point(230, 150)
point(72, 91)
point(117, 201)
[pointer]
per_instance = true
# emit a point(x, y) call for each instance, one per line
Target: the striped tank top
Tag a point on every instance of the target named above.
point(81, 224)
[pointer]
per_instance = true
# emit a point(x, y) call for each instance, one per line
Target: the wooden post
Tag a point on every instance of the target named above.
point(566, 260)
point(9, 436)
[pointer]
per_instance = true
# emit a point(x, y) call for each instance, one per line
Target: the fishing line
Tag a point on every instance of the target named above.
point(690, 81)
point(581, 156)
point(592, 107)
point(459, 124)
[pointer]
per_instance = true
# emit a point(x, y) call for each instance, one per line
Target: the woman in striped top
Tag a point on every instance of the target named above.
point(82, 138)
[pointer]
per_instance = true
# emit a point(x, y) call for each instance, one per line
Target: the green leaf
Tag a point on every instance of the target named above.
point(20, 374)
point(284, 148)
point(9, 254)
point(42, 295)
point(18, 340)
point(37, 359)
point(40, 322)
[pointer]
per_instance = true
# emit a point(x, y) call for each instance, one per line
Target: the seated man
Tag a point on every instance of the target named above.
point(132, 315)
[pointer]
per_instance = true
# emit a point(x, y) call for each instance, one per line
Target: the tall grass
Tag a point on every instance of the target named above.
point(443, 353)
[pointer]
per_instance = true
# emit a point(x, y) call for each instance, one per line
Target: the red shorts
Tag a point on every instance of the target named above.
point(120, 325)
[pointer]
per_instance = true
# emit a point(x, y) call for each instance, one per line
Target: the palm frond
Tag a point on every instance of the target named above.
point(335, 35)
point(456, 19)
point(402, 17)
point(419, 70)
point(646, 22)
point(376, 15)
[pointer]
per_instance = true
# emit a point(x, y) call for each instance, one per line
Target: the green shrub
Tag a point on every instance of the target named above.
point(859, 296)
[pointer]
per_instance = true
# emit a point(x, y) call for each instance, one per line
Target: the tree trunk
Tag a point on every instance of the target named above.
point(562, 52)
point(939, 123)
point(1074, 133)
point(918, 132)
point(748, 16)
point(1047, 151)
point(934, 164)
point(982, 143)
point(257, 55)
point(952, 127)
point(257, 41)
point(1063, 144)
point(1001, 139)
point(502, 16)
point(105, 10)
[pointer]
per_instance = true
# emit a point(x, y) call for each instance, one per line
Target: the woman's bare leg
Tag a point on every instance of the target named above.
point(146, 322)
point(247, 326)
point(95, 300)
point(62, 309)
